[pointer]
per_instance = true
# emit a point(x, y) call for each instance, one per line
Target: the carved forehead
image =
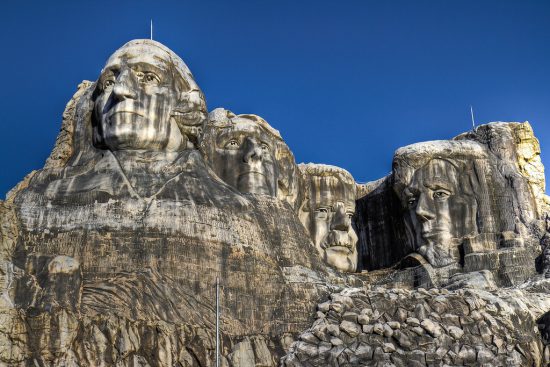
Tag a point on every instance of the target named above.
point(328, 184)
point(149, 52)
point(247, 128)
point(140, 54)
point(414, 160)
point(329, 181)
point(436, 173)
point(328, 190)
point(325, 170)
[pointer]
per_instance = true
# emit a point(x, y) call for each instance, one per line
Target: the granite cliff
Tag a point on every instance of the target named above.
point(109, 254)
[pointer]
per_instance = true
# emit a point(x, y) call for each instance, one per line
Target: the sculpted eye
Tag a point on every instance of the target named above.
point(108, 83)
point(441, 195)
point(265, 147)
point(321, 213)
point(150, 77)
point(349, 214)
point(147, 77)
point(232, 144)
point(411, 201)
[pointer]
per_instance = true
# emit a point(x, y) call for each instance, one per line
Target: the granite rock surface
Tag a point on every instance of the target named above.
point(109, 254)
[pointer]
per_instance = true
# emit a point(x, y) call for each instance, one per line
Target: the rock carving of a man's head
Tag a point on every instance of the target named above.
point(326, 211)
point(247, 153)
point(436, 183)
point(146, 99)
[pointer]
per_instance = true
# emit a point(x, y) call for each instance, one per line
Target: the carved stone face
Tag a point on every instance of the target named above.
point(137, 91)
point(431, 201)
point(327, 215)
point(244, 157)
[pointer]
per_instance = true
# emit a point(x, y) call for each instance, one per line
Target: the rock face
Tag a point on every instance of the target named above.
point(469, 203)
point(109, 254)
point(327, 206)
point(117, 242)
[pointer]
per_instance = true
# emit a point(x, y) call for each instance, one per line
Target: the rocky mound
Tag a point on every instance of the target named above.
point(435, 327)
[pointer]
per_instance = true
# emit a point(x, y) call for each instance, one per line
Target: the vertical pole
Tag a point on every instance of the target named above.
point(217, 322)
point(151, 29)
point(473, 121)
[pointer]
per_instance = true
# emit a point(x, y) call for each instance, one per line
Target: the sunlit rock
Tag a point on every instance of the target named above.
point(109, 254)
point(328, 205)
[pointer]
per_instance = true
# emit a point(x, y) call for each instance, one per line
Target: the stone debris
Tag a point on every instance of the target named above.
point(458, 337)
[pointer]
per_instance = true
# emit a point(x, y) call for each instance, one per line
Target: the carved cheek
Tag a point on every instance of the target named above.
point(165, 101)
point(156, 104)
point(413, 228)
point(321, 229)
point(443, 213)
point(463, 216)
point(270, 171)
point(100, 105)
point(229, 164)
point(149, 107)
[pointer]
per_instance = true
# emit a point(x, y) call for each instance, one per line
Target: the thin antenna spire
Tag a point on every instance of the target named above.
point(473, 120)
point(151, 29)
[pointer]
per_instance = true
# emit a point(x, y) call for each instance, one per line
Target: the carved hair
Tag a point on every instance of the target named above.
point(308, 170)
point(409, 159)
point(221, 118)
point(325, 170)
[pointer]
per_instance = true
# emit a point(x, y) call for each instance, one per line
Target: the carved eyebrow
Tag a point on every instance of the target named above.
point(148, 67)
point(438, 184)
point(105, 74)
point(233, 134)
point(411, 191)
point(227, 135)
point(109, 70)
point(266, 142)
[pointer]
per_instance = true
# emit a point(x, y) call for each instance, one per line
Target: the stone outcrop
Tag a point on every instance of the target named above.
point(435, 327)
point(326, 208)
point(120, 237)
point(109, 254)
point(474, 201)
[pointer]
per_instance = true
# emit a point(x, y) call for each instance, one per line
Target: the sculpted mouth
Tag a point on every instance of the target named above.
point(339, 248)
point(338, 244)
point(336, 240)
point(121, 119)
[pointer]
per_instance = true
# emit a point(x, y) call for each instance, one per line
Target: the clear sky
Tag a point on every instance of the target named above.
point(345, 82)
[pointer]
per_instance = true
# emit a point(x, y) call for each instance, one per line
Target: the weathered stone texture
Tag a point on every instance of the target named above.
point(109, 254)
point(489, 184)
point(433, 327)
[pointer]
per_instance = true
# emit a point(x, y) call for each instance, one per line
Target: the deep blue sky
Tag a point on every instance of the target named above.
point(345, 82)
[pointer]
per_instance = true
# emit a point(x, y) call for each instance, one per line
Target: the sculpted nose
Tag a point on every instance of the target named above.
point(423, 209)
point(123, 87)
point(253, 151)
point(340, 220)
